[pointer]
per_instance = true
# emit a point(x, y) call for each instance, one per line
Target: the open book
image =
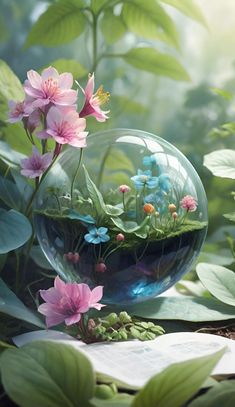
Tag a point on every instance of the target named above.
point(135, 362)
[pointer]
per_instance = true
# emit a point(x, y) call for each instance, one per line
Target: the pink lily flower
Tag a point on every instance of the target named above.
point(50, 87)
point(93, 101)
point(17, 111)
point(65, 127)
point(66, 302)
point(35, 165)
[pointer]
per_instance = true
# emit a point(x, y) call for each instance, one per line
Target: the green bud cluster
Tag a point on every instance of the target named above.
point(122, 327)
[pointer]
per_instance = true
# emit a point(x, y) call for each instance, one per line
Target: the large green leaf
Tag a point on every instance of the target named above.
point(9, 193)
point(112, 27)
point(97, 5)
point(223, 394)
point(219, 280)
point(149, 20)
point(62, 22)
point(24, 188)
point(70, 65)
point(9, 156)
point(94, 194)
point(221, 163)
point(11, 305)
point(189, 8)
point(178, 383)
point(10, 86)
point(120, 400)
point(15, 230)
point(150, 60)
point(183, 308)
point(230, 216)
point(47, 374)
point(128, 105)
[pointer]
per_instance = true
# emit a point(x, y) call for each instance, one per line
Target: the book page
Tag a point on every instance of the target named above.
point(135, 362)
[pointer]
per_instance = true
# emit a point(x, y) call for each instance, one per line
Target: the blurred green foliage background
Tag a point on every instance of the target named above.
point(182, 112)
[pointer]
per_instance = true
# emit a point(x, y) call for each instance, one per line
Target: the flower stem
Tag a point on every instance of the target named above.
point(94, 38)
point(75, 175)
point(123, 201)
point(28, 208)
point(100, 175)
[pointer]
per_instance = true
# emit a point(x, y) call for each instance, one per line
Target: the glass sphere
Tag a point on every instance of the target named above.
point(129, 212)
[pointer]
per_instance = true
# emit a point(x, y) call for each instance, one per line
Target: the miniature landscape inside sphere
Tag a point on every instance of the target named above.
point(129, 212)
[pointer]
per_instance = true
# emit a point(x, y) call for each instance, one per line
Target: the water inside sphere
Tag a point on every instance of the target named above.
point(129, 213)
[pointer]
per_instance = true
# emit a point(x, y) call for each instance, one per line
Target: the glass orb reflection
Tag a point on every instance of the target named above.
point(129, 213)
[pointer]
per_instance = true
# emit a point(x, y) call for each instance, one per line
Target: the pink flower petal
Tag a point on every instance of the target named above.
point(66, 80)
point(73, 319)
point(51, 295)
point(79, 142)
point(53, 320)
point(47, 159)
point(69, 97)
point(43, 134)
point(96, 294)
point(60, 285)
point(89, 89)
point(54, 118)
point(50, 72)
point(34, 79)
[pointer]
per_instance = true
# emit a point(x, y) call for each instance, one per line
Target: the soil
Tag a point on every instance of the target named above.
point(227, 331)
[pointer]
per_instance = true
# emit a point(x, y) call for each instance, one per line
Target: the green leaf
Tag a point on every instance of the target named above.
point(129, 227)
point(9, 193)
point(61, 23)
point(15, 230)
point(189, 8)
point(188, 287)
point(97, 5)
point(24, 188)
point(47, 374)
point(11, 305)
point(223, 394)
point(120, 400)
point(125, 164)
point(4, 346)
point(113, 210)
point(213, 253)
point(10, 157)
point(183, 308)
point(219, 280)
point(150, 60)
point(230, 216)
point(10, 86)
point(178, 383)
point(223, 93)
point(221, 163)
point(70, 65)
point(149, 20)
point(112, 27)
point(95, 194)
point(125, 104)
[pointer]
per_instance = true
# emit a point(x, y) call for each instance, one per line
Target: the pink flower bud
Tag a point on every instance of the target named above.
point(91, 324)
point(75, 258)
point(100, 267)
point(174, 215)
point(69, 256)
point(124, 188)
point(120, 237)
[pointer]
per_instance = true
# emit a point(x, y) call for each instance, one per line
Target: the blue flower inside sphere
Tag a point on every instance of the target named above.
point(134, 213)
